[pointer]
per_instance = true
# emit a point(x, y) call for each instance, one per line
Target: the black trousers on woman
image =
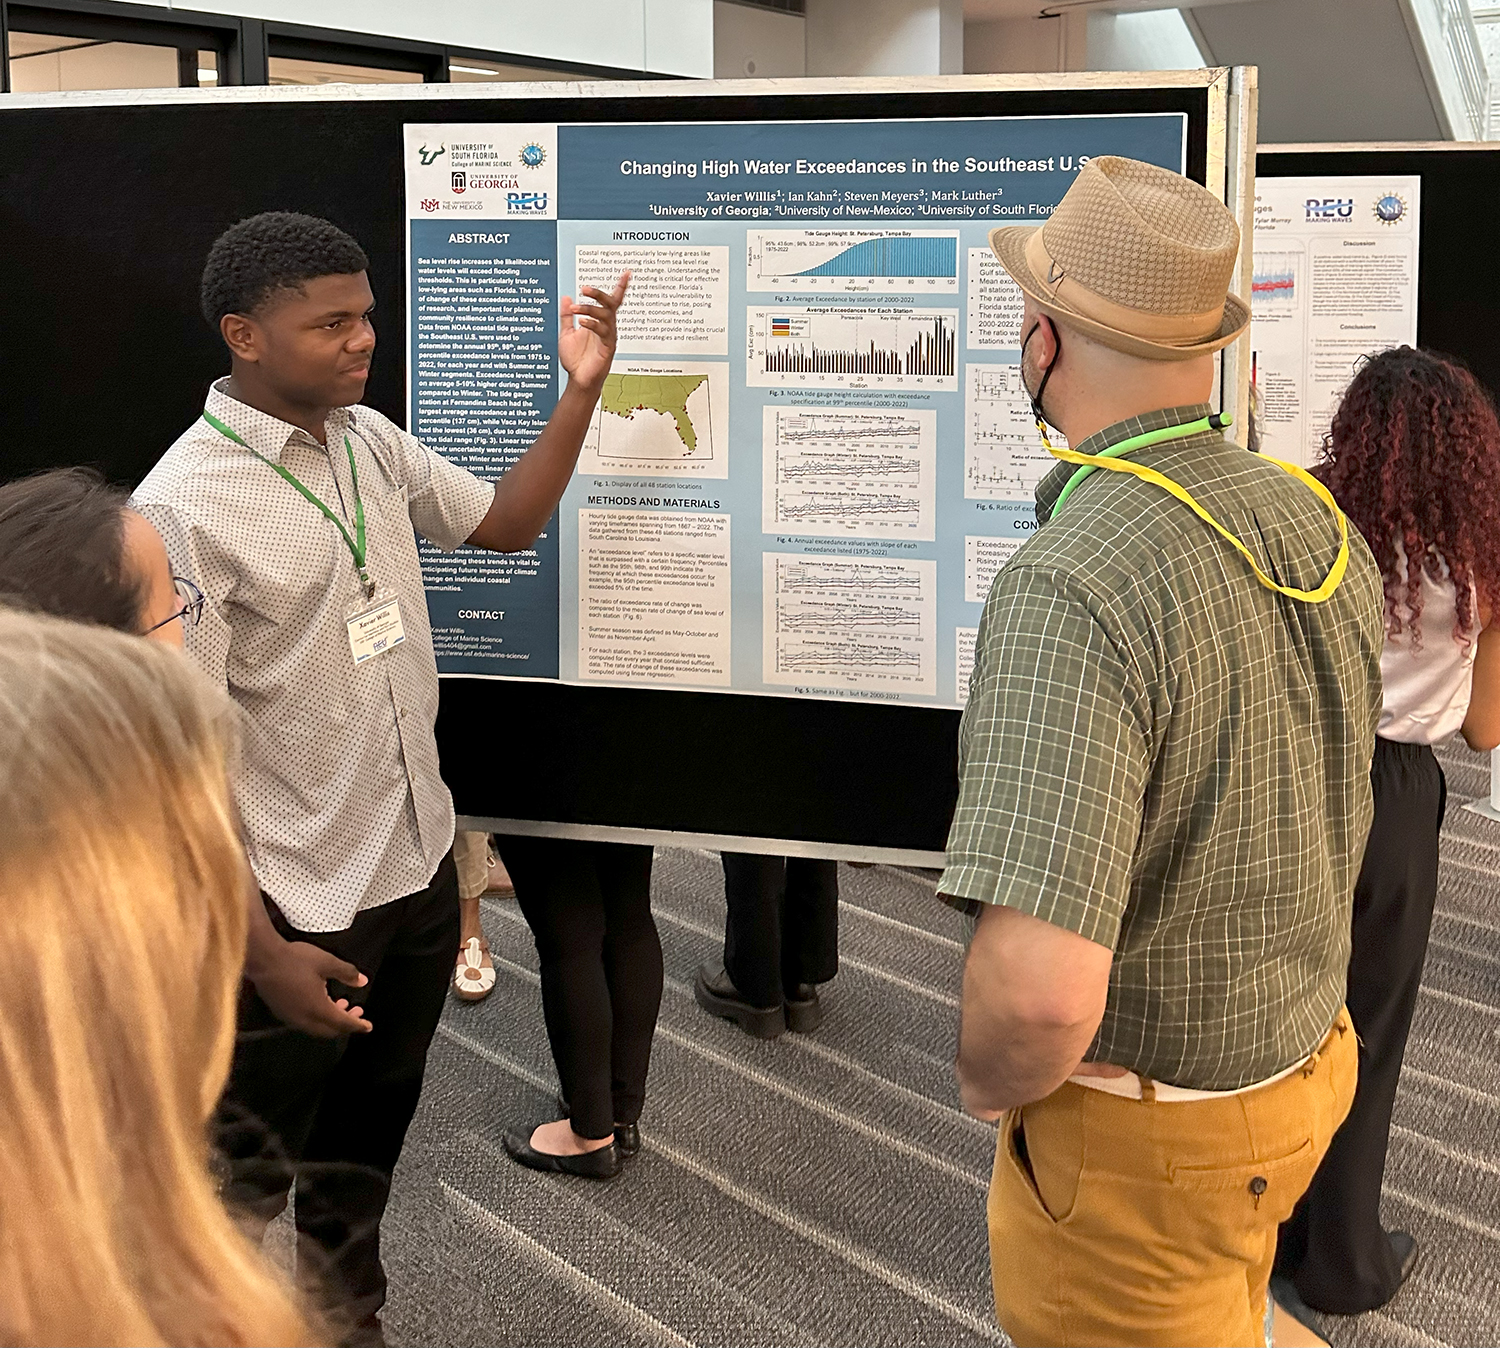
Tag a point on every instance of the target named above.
point(589, 907)
point(783, 924)
point(1334, 1248)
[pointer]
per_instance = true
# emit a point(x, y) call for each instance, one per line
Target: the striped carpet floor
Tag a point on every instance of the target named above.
point(826, 1189)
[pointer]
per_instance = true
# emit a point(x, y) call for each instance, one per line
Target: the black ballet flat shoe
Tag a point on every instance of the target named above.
point(804, 1012)
point(627, 1135)
point(1404, 1247)
point(602, 1164)
point(716, 993)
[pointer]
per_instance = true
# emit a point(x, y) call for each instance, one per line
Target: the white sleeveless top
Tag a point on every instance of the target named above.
point(1427, 689)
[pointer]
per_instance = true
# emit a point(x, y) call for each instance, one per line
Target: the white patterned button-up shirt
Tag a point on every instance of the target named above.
point(343, 804)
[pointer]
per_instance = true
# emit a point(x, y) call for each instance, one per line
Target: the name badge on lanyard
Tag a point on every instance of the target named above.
point(374, 625)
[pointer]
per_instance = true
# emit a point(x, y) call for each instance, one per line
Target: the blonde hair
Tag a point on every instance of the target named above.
point(123, 893)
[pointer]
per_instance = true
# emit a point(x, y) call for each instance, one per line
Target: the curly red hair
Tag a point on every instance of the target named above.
point(1414, 459)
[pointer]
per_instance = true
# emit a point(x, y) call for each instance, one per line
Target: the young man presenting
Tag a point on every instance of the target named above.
point(296, 510)
point(1164, 796)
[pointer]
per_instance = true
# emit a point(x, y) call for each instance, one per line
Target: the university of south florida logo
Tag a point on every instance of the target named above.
point(429, 156)
point(533, 155)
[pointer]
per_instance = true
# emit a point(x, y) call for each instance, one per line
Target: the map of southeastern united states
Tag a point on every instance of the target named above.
point(626, 394)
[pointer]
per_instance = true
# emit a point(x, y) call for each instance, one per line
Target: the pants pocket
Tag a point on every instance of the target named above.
point(1019, 1158)
point(1261, 1192)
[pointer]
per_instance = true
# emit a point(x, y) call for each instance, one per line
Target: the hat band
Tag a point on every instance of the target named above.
point(1166, 329)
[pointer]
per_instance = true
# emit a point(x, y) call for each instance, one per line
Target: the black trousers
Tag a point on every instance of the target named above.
point(783, 924)
point(332, 1113)
point(1334, 1248)
point(589, 907)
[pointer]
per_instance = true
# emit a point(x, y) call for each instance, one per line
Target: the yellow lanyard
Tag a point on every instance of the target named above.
point(1120, 465)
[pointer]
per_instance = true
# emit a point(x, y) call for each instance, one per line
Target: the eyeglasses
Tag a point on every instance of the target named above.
point(191, 611)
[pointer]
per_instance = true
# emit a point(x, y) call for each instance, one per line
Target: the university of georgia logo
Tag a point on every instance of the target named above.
point(460, 181)
point(533, 155)
point(1390, 209)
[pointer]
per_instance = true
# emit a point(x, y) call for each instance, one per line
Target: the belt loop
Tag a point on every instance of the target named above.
point(1311, 1065)
point(1148, 1091)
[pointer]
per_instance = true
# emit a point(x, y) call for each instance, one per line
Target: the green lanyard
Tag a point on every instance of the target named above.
point(357, 542)
point(1209, 423)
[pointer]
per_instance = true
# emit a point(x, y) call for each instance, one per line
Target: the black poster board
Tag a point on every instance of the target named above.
point(108, 204)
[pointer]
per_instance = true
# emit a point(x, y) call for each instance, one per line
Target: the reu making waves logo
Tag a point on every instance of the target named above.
point(1329, 208)
point(525, 203)
point(429, 156)
point(1390, 209)
point(533, 155)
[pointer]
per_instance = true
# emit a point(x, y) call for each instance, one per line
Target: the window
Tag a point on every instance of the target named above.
point(45, 62)
point(478, 70)
point(292, 70)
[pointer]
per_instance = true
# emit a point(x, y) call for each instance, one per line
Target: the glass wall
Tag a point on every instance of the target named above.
point(291, 70)
point(473, 70)
point(46, 63)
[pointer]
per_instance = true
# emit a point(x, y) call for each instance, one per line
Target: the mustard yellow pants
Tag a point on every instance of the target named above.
point(1116, 1221)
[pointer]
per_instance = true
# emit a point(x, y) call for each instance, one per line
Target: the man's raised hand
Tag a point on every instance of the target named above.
point(586, 342)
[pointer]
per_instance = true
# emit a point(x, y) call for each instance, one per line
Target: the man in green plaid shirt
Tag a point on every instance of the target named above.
point(1164, 796)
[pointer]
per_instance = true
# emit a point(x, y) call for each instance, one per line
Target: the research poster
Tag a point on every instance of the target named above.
point(1335, 280)
point(813, 451)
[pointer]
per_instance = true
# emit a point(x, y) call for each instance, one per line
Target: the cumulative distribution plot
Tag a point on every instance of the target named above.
point(851, 348)
point(857, 472)
point(1004, 457)
point(852, 261)
point(658, 418)
point(852, 623)
point(1273, 288)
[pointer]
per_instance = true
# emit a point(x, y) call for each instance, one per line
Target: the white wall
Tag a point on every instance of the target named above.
point(757, 42)
point(885, 37)
point(1159, 40)
point(669, 37)
point(1026, 46)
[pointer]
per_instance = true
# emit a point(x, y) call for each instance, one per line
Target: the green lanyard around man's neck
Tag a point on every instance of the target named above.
point(357, 541)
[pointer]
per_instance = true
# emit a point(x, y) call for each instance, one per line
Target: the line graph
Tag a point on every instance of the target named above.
point(1004, 458)
point(851, 622)
point(859, 472)
point(1273, 286)
point(848, 347)
point(852, 261)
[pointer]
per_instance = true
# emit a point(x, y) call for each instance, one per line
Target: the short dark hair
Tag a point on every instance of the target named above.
point(276, 250)
point(62, 549)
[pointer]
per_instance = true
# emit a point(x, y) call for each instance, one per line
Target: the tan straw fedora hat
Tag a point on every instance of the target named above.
point(1135, 256)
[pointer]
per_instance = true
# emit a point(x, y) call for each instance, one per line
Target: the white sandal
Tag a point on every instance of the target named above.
point(474, 974)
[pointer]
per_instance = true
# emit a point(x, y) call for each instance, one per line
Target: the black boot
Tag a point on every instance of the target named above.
point(804, 1012)
point(717, 994)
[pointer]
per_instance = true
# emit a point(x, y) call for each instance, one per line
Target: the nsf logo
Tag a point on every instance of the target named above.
point(525, 203)
point(1390, 209)
point(533, 155)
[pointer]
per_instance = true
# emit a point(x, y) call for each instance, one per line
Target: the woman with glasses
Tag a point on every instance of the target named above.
point(71, 545)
